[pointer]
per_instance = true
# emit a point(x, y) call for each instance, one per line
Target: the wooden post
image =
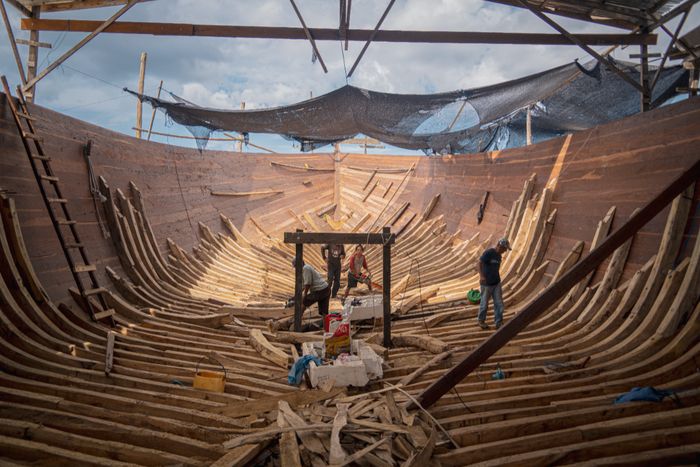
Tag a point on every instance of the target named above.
point(645, 95)
point(139, 105)
point(109, 353)
point(239, 143)
point(298, 306)
point(153, 113)
point(386, 278)
point(32, 57)
point(528, 126)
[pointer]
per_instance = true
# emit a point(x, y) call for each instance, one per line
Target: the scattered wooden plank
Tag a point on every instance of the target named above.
point(246, 193)
point(359, 454)
point(337, 453)
point(258, 341)
point(369, 180)
point(109, 354)
point(428, 343)
point(429, 208)
point(408, 379)
point(310, 440)
point(299, 167)
point(294, 399)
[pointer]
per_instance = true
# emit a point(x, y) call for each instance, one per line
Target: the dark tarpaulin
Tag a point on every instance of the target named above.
point(564, 99)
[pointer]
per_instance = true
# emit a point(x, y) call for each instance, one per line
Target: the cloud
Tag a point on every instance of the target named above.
point(222, 72)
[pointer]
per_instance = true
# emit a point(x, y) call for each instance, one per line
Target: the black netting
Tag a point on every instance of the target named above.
point(567, 98)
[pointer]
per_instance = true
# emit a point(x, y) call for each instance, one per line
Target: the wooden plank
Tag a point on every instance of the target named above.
point(267, 350)
point(288, 446)
point(428, 343)
point(329, 34)
point(408, 379)
point(246, 193)
point(337, 453)
point(429, 208)
point(338, 238)
point(109, 353)
point(294, 399)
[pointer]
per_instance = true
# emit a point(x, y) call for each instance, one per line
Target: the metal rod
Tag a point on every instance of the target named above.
point(674, 38)
point(153, 112)
point(371, 37)
point(582, 45)
point(309, 36)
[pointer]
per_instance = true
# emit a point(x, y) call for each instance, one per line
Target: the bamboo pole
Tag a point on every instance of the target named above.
point(139, 105)
point(153, 112)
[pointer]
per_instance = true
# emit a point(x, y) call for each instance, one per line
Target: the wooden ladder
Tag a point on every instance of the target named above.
point(57, 206)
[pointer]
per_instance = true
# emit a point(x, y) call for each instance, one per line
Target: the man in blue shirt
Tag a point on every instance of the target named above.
point(490, 280)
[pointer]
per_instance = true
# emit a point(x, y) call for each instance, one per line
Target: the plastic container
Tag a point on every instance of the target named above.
point(209, 380)
point(330, 317)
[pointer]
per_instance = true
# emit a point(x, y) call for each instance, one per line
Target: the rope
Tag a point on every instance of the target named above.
point(97, 196)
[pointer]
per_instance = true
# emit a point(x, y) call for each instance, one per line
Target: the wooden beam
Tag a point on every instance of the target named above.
point(22, 9)
point(30, 84)
point(328, 34)
point(386, 285)
point(604, 60)
point(371, 38)
point(556, 290)
point(48, 7)
point(345, 238)
point(45, 45)
point(33, 55)
point(309, 36)
point(139, 105)
point(298, 281)
point(13, 43)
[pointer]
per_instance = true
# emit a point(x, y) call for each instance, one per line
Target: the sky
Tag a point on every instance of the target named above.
point(223, 72)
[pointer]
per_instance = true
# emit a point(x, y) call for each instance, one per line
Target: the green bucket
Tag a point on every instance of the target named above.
point(474, 296)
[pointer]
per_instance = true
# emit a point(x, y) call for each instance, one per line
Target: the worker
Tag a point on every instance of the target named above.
point(314, 288)
point(334, 255)
point(355, 265)
point(490, 280)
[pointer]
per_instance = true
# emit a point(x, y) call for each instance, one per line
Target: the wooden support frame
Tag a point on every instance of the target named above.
point(56, 63)
point(328, 34)
point(555, 291)
point(386, 239)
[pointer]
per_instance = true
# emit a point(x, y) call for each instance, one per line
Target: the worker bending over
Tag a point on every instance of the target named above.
point(314, 288)
point(490, 280)
point(355, 265)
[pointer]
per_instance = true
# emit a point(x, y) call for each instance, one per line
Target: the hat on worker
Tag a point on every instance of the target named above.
point(504, 243)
